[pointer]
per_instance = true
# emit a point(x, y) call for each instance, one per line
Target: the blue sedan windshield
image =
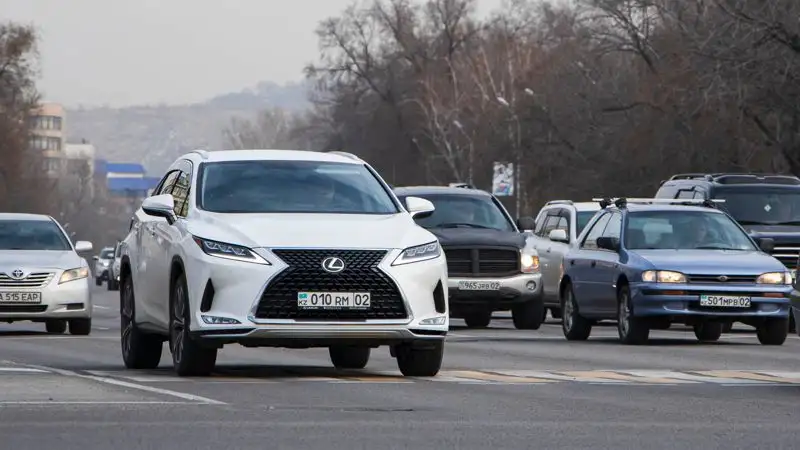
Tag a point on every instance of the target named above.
point(684, 230)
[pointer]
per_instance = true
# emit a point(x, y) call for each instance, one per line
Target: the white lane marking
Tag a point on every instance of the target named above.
point(67, 402)
point(100, 307)
point(21, 369)
point(101, 328)
point(141, 387)
point(23, 338)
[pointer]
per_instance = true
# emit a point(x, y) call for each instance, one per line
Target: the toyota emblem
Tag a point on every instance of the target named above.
point(333, 264)
point(17, 274)
point(723, 278)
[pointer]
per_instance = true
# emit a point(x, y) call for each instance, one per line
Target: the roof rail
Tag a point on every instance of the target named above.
point(345, 154)
point(559, 202)
point(690, 176)
point(755, 178)
point(461, 185)
point(203, 153)
point(621, 202)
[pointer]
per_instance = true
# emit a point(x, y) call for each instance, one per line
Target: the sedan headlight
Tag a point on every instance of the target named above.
point(663, 276)
point(77, 273)
point(418, 253)
point(529, 263)
point(775, 278)
point(229, 251)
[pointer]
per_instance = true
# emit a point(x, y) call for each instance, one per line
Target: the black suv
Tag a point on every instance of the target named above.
point(766, 205)
point(492, 265)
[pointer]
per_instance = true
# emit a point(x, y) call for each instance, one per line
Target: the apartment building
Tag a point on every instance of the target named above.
point(48, 134)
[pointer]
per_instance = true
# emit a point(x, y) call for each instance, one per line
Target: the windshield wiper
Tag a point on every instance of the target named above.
point(715, 247)
point(790, 222)
point(457, 225)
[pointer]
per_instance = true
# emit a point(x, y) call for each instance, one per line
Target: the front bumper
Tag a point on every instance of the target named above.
point(513, 290)
point(666, 299)
point(237, 290)
point(72, 300)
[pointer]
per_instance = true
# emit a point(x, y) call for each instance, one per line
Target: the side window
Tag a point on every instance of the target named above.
point(666, 192)
point(614, 227)
point(699, 194)
point(165, 187)
point(180, 192)
point(540, 223)
point(685, 194)
point(550, 224)
point(590, 242)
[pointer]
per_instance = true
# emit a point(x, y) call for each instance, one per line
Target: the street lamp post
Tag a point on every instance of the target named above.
point(517, 159)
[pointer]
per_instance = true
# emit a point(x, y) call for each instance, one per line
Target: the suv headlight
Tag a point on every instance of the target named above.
point(418, 253)
point(229, 251)
point(775, 278)
point(77, 273)
point(663, 276)
point(528, 263)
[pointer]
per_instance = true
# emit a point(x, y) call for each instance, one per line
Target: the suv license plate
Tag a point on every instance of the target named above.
point(21, 297)
point(724, 301)
point(333, 300)
point(479, 285)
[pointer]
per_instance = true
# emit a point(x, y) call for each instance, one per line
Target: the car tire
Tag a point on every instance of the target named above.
point(189, 357)
point(555, 313)
point(480, 319)
point(632, 330)
point(727, 327)
point(55, 326)
point(344, 357)
point(773, 331)
point(573, 324)
point(98, 281)
point(529, 315)
point(420, 362)
point(80, 327)
point(708, 331)
point(139, 350)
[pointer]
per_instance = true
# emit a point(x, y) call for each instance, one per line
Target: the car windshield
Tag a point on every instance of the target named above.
point(581, 219)
point(464, 211)
point(762, 207)
point(292, 187)
point(32, 235)
point(681, 229)
point(107, 254)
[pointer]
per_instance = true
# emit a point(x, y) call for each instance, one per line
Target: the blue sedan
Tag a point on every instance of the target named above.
point(648, 264)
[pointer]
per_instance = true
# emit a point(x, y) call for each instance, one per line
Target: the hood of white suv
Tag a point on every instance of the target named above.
point(312, 230)
point(46, 259)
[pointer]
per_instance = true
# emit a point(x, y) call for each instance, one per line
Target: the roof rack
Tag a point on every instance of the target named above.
point(622, 202)
point(690, 176)
point(461, 185)
point(345, 154)
point(203, 153)
point(740, 178)
point(559, 202)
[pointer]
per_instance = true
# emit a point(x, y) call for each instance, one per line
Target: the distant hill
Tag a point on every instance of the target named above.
point(156, 135)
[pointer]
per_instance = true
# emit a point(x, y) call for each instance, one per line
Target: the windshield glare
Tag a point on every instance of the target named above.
point(463, 211)
point(292, 187)
point(762, 208)
point(684, 230)
point(32, 235)
point(581, 219)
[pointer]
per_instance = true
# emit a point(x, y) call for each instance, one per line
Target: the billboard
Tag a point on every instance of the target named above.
point(503, 179)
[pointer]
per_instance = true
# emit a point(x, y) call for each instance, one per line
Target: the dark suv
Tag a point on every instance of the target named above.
point(492, 265)
point(766, 205)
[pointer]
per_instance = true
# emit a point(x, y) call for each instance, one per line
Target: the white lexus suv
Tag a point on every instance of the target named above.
point(281, 248)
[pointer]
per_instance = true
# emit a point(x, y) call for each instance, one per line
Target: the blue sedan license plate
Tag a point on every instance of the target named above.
point(725, 301)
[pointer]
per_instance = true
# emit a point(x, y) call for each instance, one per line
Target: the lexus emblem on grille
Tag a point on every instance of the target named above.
point(723, 278)
point(333, 264)
point(17, 274)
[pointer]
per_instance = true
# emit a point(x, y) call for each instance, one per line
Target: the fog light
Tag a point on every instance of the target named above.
point(433, 321)
point(214, 320)
point(531, 285)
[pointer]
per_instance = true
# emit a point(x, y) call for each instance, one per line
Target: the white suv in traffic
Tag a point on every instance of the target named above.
point(281, 248)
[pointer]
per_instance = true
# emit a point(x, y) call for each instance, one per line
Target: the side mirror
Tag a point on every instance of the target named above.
point(766, 244)
point(526, 224)
point(95, 257)
point(559, 236)
point(84, 246)
point(608, 243)
point(160, 206)
point(419, 207)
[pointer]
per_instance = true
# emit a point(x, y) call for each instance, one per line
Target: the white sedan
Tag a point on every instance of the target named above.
point(42, 277)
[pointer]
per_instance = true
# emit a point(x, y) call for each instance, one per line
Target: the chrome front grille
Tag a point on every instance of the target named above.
point(787, 254)
point(722, 279)
point(33, 280)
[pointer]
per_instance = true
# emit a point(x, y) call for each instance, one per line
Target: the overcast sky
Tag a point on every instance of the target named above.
point(123, 52)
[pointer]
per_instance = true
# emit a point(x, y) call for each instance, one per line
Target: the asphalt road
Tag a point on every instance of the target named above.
point(500, 388)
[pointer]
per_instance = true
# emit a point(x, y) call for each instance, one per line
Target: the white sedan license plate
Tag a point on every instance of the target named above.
point(724, 301)
point(478, 285)
point(21, 297)
point(333, 300)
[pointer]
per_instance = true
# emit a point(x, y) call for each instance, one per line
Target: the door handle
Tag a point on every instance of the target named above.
point(548, 249)
point(571, 262)
point(594, 263)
